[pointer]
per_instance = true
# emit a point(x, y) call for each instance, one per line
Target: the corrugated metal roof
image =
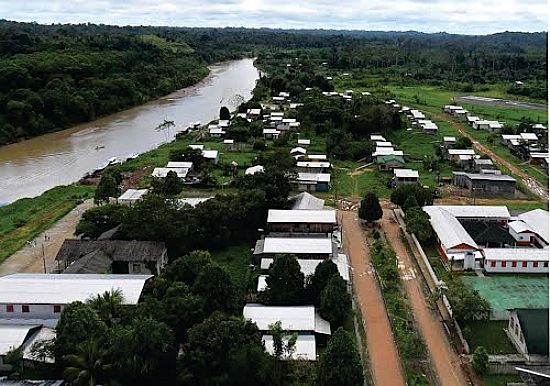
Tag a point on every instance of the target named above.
point(405, 173)
point(306, 201)
point(461, 152)
point(13, 336)
point(448, 229)
point(307, 266)
point(517, 254)
point(476, 211)
point(327, 216)
point(519, 226)
point(299, 245)
point(179, 164)
point(254, 169)
point(537, 220)
point(304, 348)
point(292, 318)
point(133, 194)
point(163, 172)
point(313, 164)
point(29, 288)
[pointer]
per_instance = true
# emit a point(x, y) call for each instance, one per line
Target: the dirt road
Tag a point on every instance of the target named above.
point(384, 359)
point(30, 257)
point(531, 183)
point(443, 358)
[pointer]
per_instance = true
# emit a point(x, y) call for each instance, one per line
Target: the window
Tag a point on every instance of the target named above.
point(493, 263)
point(535, 264)
point(9, 308)
point(136, 268)
point(25, 308)
point(56, 308)
point(514, 264)
point(503, 264)
point(545, 264)
point(524, 264)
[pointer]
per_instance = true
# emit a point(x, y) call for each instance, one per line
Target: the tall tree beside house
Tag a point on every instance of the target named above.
point(106, 188)
point(424, 196)
point(481, 360)
point(88, 366)
point(370, 209)
point(282, 349)
point(215, 286)
point(172, 184)
point(340, 363)
point(463, 142)
point(100, 219)
point(78, 323)
point(108, 306)
point(317, 282)
point(285, 283)
point(225, 115)
point(418, 222)
point(409, 203)
point(335, 301)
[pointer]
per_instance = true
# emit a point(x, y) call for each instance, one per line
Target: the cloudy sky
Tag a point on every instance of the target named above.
point(454, 16)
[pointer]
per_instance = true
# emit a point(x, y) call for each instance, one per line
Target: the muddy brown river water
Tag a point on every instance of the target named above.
point(30, 167)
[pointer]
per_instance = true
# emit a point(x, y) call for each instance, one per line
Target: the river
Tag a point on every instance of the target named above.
point(30, 167)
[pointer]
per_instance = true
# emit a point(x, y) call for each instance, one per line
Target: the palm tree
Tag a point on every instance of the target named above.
point(87, 365)
point(108, 305)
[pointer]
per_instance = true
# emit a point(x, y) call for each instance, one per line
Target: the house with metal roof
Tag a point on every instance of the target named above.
point(112, 256)
point(312, 182)
point(390, 161)
point(306, 201)
point(302, 247)
point(305, 347)
point(515, 260)
point(528, 331)
point(132, 196)
point(483, 184)
point(405, 177)
point(301, 221)
point(537, 220)
point(41, 297)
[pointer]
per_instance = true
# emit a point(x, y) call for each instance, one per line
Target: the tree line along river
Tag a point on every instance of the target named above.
point(30, 167)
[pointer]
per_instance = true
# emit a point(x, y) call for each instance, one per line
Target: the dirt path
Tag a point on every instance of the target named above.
point(531, 183)
point(384, 359)
point(30, 257)
point(443, 358)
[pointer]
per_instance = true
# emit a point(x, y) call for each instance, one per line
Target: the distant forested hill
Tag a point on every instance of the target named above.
point(53, 76)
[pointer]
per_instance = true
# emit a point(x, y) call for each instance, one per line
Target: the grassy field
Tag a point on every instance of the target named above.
point(236, 261)
point(24, 219)
point(499, 380)
point(489, 334)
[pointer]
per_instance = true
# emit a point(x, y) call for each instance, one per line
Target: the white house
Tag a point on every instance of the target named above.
point(43, 296)
point(377, 138)
point(313, 166)
point(537, 220)
point(254, 169)
point(271, 134)
point(313, 182)
point(163, 172)
point(301, 221)
point(488, 125)
point(304, 142)
point(210, 155)
point(516, 260)
point(302, 247)
point(405, 176)
point(131, 196)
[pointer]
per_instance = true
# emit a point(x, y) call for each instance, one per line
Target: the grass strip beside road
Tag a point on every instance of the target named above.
point(26, 218)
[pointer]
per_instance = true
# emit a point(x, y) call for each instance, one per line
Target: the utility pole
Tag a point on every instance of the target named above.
point(44, 255)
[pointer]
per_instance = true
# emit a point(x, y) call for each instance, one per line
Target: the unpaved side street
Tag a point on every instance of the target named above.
point(383, 356)
point(30, 257)
point(444, 359)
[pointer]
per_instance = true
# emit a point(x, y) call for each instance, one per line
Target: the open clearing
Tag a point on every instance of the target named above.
point(477, 100)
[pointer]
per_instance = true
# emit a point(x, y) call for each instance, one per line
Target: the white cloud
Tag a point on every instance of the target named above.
point(467, 16)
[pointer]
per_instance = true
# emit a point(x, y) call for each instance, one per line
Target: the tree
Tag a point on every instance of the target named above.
point(285, 283)
point(418, 222)
point(335, 301)
point(87, 366)
point(481, 360)
point(225, 115)
point(145, 352)
point(98, 220)
point(463, 143)
point(409, 203)
point(317, 282)
point(215, 286)
point(282, 349)
point(78, 323)
point(106, 188)
point(370, 209)
point(14, 358)
point(187, 268)
point(225, 350)
point(424, 196)
point(172, 184)
point(189, 155)
point(467, 304)
point(340, 364)
point(108, 305)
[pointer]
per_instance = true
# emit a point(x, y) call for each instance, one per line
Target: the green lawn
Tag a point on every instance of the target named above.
point(489, 334)
point(499, 380)
point(24, 219)
point(236, 261)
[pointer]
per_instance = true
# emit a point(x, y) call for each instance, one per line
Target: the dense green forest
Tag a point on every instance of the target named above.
point(53, 76)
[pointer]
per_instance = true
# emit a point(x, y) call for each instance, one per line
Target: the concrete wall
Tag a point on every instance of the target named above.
point(519, 266)
point(36, 311)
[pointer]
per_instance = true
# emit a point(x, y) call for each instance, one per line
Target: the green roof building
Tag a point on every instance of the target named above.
point(528, 330)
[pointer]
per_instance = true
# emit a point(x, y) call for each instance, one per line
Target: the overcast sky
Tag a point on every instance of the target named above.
point(453, 16)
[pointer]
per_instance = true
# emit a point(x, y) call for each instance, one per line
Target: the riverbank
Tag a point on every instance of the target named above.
point(25, 219)
point(31, 167)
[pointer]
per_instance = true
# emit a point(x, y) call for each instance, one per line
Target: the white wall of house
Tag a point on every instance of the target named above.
point(35, 311)
point(515, 266)
point(521, 237)
point(515, 334)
